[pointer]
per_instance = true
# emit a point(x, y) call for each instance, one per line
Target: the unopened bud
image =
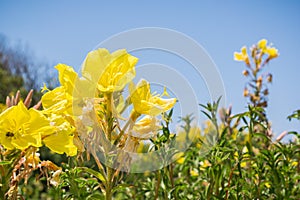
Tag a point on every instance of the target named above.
point(245, 72)
point(246, 92)
point(259, 82)
point(266, 92)
point(270, 78)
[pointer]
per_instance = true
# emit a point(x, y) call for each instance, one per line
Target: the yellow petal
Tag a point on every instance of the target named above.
point(111, 72)
point(244, 51)
point(25, 140)
point(238, 56)
point(95, 63)
point(60, 143)
point(17, 114)
point(67, 77)
point(57, 101)
point(272, 52)
point(38, 123)
point(118, 73)
point(144, 103)
point(262, 44)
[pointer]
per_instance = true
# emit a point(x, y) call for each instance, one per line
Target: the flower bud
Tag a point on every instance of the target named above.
point(270, 78)
point(245, 72)
point(246, 92)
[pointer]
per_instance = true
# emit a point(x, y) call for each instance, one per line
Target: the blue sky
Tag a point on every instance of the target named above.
point(65, 31)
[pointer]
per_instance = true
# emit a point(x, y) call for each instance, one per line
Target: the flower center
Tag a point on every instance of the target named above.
point(9, 134)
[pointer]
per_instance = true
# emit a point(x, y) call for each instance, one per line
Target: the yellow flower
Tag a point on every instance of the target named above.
point(181, 160)
point(111, 72)
point(146, 103)
point(267, 184)
point(295, 163)
point(194, 172)
point(271, 51)
point(242, 56)
point(179, 157)
point(21, 128)
point(204, 165)
point(61, 141)
point(262, 44)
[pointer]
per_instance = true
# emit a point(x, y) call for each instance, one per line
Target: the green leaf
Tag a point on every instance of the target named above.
point(94, 173)
point(5, 162)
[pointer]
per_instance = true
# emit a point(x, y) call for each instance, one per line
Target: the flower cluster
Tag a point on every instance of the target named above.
point(84, 113)
point(260, 55)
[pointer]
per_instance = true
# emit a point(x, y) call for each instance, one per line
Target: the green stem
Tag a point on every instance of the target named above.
point(109, 185)
point(157, 184)
point(109, 129)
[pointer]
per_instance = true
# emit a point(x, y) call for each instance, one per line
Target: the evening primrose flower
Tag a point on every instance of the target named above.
point(242, 56)
point(110, 72)
point(146, 103)
point(271, 51)
point(21, 128)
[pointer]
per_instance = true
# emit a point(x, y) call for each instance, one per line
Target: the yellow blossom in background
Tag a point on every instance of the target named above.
point(179, 157)
point(295, 163)
point(242, 56)
point(181, 160)
point(194, 172)
point(267, 184)
point(271, 51)
point(111, 72)
point(262, 44)
point(204, 165)
point(21, 128)
point(146, 103)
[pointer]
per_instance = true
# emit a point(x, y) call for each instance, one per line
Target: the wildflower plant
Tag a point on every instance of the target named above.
point(93, 105)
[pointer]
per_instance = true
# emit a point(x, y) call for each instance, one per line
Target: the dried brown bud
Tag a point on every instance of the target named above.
point(270, 78)
point(266, 92)
point(246, 92)
point(245, 72)
point(259, 82)
point(254, 98)
point(263, 104)
point(259, 79)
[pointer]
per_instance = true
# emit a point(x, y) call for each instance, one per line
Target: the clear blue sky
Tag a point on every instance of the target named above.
point(64, 31)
